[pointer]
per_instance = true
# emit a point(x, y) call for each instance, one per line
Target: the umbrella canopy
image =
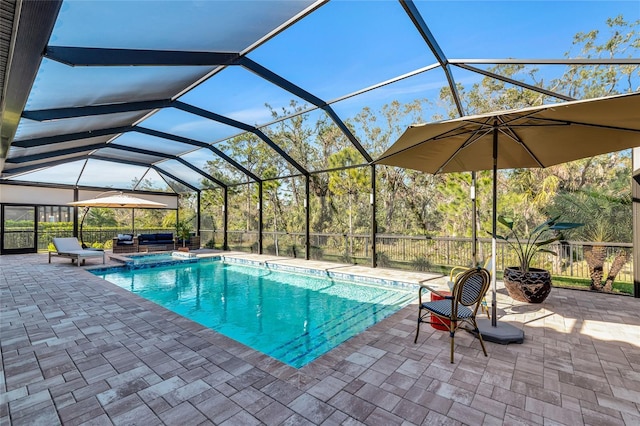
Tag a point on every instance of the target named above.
point(539, 136)
point(116, 201)
point(119, 201)
point(531, 137)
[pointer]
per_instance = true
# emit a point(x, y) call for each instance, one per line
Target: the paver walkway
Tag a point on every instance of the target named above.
point(79, 350)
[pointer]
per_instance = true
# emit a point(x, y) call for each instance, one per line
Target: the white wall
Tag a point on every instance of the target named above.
point(35, 195)
point(18, 194)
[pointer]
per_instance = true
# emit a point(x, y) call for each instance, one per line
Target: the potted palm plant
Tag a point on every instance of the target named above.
point(183, 230)
point(523, 282)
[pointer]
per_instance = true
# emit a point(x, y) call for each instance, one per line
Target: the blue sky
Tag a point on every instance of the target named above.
point(345, 46)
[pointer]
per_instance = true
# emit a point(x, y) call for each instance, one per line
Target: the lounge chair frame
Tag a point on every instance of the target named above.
point(70, 248)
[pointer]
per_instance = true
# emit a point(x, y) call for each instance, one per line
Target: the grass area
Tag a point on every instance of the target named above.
point(621, 287)
point(585, 284)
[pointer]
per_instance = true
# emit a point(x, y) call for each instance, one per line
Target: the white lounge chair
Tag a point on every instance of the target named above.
point(70, 248)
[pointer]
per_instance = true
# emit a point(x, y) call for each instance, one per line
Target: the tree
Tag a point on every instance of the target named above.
point(589, 82)
point(350, 182)
point(98, 216)
point(394, 185)
point(607, 218)
point(538, 193)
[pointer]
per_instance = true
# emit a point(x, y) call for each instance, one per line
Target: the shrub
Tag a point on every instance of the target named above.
point(421, 264)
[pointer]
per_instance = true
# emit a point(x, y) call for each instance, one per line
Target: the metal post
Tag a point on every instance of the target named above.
point(75, 213)
point(635, 195)
point(474, 231)
point(2, 207)
point(492, 330)
point(260, 206)
point(177, 212)
point(198, 214)
point(374, 222)
point(225, 219)
point(494, 224)
point(307, 231)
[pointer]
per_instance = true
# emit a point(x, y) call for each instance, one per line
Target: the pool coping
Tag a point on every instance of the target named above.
point(343, 272)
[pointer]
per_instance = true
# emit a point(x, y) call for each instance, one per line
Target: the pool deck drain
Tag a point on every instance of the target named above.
point(79, 350)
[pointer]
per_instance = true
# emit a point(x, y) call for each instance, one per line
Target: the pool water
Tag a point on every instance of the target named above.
point(153, 259)
point(292, 317)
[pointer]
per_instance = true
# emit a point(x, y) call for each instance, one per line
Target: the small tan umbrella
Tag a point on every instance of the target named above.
point(117, 201)
point(539, 136)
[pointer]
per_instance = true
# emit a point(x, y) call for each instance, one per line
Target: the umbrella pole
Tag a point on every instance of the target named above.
point(494, 223)
point(493, 331)
point(474, 220)
point(84, 215)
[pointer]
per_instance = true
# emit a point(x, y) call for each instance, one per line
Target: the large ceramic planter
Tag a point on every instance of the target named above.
point(532, 286)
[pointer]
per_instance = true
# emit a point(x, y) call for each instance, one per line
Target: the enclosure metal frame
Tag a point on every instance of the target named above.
point(635, 194)
point(31, 32)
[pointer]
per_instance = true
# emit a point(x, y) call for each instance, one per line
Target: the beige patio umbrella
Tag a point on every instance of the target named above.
point(118, 201)
point(539, 136)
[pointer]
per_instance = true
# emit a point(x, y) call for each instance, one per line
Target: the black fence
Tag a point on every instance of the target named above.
point(418, 253)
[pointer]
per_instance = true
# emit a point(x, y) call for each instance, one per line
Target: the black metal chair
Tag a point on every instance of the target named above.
point(460, 308)
point(456, 270)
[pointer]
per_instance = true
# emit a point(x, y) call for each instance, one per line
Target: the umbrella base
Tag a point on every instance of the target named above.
point(502, 333)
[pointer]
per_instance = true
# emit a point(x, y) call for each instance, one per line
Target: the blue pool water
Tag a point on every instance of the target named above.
point(155, 259)
point(292, 317)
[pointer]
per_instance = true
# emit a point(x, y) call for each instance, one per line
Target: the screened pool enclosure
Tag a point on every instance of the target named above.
point(257, 121)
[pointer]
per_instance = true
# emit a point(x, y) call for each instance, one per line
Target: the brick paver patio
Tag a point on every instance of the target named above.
point(79, 350)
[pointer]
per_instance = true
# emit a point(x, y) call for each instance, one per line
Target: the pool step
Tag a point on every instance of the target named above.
point(337, 330)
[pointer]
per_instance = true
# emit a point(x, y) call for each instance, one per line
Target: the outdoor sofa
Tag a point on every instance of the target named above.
point(127, 243)
point(124, 243)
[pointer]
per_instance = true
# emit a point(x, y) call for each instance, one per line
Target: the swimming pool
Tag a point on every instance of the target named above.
point(292, 317)
point(156, 259)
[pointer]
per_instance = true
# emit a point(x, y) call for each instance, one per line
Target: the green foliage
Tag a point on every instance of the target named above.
point(317, 253)
point(18, 224)
point(99, 216)
point(607, 218)
point(183, 230)
point(382, 260)
point(528, 244)
point(421, 263)
point(623, 42)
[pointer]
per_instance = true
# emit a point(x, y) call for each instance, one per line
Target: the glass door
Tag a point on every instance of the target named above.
point(18, 229)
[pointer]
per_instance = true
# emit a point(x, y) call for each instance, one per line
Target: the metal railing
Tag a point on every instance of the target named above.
point(418, 253)
point(394, 251)
point(99, 237)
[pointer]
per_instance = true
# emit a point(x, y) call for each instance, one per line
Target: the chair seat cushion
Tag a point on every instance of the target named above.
point(82, 253)
point(164, 237)
point(146, 237)
point(160, 238)
point(124, 239)
point(443, 307)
